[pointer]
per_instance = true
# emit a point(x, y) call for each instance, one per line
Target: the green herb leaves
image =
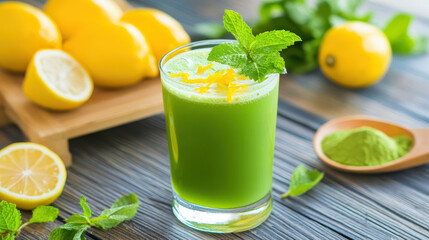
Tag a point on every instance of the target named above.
point(122, 209)
point(302, 181)
point(256, 56)
point(85, 208)
point(10, 219)
point(310, 22)
point(44, 214)
point(273, 41)
point(235, 24)
point(396, 31)
point(232, 54)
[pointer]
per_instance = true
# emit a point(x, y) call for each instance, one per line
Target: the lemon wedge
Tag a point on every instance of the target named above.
point(31, 175)
point(56, 81)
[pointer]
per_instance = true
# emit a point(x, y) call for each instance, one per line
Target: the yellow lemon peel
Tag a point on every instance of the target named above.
point(182, 75)
point(202, 69)
point(202, 90)
point(232, 88)
point(224, 79)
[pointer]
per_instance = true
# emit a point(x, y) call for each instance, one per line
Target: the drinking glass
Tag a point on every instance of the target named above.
point(221, 153)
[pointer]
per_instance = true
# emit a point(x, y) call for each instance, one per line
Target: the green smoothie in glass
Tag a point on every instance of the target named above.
point(221, 120)
point(222, 153)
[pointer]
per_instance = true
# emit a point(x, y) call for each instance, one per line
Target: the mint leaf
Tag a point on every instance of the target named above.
point(232, 54)
point(401, 42)
point(10, 217)
point(126, 200)
point(85, 208)
point(254, 71)
point(256, 56)
point(121, 210)
point(69, 231)
point(8, 237)
point(78, 218)
point(235, 24)
point(262, 65)
point(273, 41)
point(44, 214)
point(302, 181)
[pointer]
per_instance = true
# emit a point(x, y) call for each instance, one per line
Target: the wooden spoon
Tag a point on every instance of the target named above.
point(418, 155)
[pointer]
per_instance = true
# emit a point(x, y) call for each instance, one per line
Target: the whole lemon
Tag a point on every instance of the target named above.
point(114, 54)
point(355, 54)
point(72, 15)
point(23, 31)
point(162, 31)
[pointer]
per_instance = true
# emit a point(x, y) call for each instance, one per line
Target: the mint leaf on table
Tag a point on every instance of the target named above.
point(11, 223)
point(44, 214)
point(78, 218)
point(85, 208)
point(122, 209)
point(256, 56)
point(10, 217)
point(302, 181)
point(400, 40)
point(72, 231)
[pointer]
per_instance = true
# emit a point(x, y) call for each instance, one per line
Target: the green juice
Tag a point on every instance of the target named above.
point(221, 153)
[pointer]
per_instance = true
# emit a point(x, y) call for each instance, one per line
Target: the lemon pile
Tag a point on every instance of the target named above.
point(65, 50)
point(91, 42)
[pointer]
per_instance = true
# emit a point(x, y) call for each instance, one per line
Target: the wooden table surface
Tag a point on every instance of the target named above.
point(134, 157)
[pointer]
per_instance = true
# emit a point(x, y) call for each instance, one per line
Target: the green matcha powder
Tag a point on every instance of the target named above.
point(364, 146)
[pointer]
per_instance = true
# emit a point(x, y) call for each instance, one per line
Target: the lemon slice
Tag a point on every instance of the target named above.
point(31, 175)
point(55, 80)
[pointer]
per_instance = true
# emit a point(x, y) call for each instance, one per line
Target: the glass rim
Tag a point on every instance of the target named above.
point(256, 88)
point(191, 44)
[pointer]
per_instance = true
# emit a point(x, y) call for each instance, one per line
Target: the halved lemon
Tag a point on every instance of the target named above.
point(55, 80)
point(31, 175)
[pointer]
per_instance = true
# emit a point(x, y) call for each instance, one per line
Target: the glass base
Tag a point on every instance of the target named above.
point(221, 220)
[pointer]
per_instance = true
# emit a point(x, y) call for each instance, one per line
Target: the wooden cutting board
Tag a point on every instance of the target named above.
point(105, 109)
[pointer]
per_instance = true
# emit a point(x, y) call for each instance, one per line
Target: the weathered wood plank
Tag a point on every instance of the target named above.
point(134, 157)
point(401, 97)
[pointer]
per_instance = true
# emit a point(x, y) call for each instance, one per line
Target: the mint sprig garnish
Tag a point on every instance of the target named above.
point(302, 181)
point(11, 223)
point(256, 56)
point(122, 209)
